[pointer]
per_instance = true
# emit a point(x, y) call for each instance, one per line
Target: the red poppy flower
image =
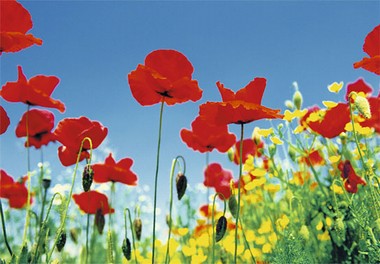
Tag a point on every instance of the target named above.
point(115, 172)
point(36, 91)
point(312, 157)
point(358, 86)
point(374, 121)
point(217, 177)
point(4, 120)
point(166, 76)
point(205, 137)
point(241, 107)
point(332, 123)
point(250, 147)
point(15, 23)
point(40, 123)
point(374, 102)
point(15, 192)
point(351, 179)
point(92, 201)
point(372, 48)
point(71, 132)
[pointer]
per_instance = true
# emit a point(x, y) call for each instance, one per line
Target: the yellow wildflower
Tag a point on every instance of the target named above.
point(329, 104)
point(335, 87)
point(276, 140)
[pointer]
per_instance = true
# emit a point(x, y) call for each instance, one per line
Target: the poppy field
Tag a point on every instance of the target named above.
point(305, 190)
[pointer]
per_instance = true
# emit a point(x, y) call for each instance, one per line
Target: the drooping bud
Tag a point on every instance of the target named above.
point(361, 103)
point(126, 248)
point(61, 241)
point(232, 205)
point(221, 227)
point(87, 178)
point(137, 226)
point(181, 184)
point(99, 220)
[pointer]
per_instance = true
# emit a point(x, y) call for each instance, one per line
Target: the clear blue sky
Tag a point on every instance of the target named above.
point(92, 46)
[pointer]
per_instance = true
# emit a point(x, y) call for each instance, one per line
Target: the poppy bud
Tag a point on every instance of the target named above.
point(74, 235)
point(361, 103)
point(232, 205)
point(289, 104)
point(231, 154)
point(137, 226)
point(181, 184)
point(292, 153)
point(87, 178)
point(221, 227)
point(61, 241)
point(46, 183)
point(297, 99)
point(126, 248)
point(99, 220)
point(167, 220)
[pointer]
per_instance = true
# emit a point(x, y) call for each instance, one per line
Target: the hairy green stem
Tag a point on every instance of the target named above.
point(27, 218)
point(4, 229)
point(174, 163)
point(238, 202)
point(156, 179)
point(64, 215)
point(87, 232)
point(132, 231)
point(213, 222)
point(42, 226)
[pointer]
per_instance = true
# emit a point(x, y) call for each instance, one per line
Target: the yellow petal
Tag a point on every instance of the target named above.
point(276, 140)
point(298, 129)
point(329, 104)
point(265, 132)
point(258, 172)
point(335, 87)
point(334, 159)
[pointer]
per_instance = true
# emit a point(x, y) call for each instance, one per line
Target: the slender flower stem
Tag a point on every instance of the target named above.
point(174, 163)
point(43, 224)
point(27, 218)
point(213, 222)
point(87, 232)
point(238, 202)
point(132, 231)
point(64, 215)
point(156, 179)
point(4, 229)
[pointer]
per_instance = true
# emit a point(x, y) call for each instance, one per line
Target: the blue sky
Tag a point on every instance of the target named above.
point(92, 46)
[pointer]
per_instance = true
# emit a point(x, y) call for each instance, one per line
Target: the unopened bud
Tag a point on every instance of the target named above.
point(289, 104)
point(74, 235)
point(231, 154)
point(181, 184)
point(100, 220)
point(361, 103)
point(292, 153)
point(61, 241)
point(46, 183)
point(232, 205)
point(137, 226)
point(297, 99)
point(221, 227)
point(87, 178)
point(126, 248)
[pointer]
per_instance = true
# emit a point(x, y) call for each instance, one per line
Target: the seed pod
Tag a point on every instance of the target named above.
point(126, 248)
point(221, 227)
point(61, 241)
point(232, 205)
point(181, 184)
point(137, 226)
point(87, 178)
point(100, 220)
